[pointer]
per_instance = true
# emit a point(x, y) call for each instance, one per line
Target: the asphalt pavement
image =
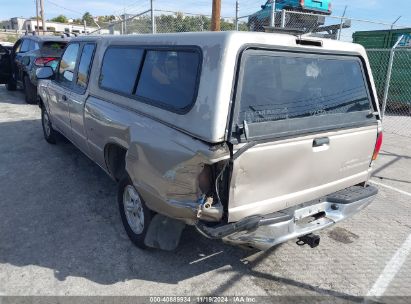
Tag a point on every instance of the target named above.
point(61, 233)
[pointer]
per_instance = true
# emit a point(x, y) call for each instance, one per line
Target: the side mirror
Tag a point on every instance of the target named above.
point(68, 75)
point(44, 73)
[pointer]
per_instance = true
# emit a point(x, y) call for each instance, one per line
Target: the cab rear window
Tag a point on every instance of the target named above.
point(283, 86)
point(169, 78)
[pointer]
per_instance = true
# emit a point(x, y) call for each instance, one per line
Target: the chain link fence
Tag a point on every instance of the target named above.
point(391, 67)
point(393, 83)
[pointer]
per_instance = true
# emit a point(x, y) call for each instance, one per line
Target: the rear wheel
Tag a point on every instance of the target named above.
point(30, 91)
point(49, 133)
point(135, 216)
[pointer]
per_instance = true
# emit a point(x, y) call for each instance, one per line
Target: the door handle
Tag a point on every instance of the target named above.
point(64, 97)
point(318, 142)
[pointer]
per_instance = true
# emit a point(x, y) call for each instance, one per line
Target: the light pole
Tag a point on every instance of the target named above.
point(153, 20)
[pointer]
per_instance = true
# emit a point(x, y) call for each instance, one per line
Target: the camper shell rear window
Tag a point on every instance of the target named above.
point(283, 93)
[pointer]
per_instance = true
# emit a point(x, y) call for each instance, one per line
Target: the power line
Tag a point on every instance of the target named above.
point(65, 8)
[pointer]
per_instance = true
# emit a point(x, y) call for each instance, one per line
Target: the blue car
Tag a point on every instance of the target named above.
point(262, 18)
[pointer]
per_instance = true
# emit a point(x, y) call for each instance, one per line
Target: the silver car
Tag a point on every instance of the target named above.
point(253, 138)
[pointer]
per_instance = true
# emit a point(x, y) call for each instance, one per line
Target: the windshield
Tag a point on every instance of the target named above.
point(278, 86)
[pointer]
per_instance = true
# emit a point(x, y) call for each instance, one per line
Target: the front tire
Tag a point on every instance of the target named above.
point(49, 133)
point(135, 215)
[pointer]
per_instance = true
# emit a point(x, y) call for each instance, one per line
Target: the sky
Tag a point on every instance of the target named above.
point(382, 10)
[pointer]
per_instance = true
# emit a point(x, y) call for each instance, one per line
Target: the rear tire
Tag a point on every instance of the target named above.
point(49, 133)
point(30, 91)
point(135, 216)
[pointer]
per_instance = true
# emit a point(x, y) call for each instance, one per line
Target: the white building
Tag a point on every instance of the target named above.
point(30, 25)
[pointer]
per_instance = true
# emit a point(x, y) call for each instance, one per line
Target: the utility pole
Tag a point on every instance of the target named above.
point(43, 21)
point(37, 16)
point(216, 16)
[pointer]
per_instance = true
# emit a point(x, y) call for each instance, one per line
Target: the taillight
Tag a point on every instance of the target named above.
point(42, 61)
point(302, 2)
point(377, 146)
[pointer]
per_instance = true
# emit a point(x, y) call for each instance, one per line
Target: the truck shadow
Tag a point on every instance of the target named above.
point(59, 211)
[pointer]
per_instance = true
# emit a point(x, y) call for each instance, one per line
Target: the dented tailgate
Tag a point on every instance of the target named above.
point(304, 126)
point(277, 175)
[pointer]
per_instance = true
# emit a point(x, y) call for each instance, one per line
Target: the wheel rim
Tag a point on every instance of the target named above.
point(46, 123)
point(133, 208)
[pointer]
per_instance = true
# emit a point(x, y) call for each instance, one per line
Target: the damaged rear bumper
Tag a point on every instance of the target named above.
point(263, 232)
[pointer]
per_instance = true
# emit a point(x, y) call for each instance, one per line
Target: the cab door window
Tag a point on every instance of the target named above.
point(68, 64)
point(84, 66)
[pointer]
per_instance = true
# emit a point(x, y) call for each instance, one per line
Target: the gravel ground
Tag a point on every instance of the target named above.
point(60, 233)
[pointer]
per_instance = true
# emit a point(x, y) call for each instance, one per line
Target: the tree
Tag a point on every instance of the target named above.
point(60, 18)
point(103, 19)
point(78, 21)
point(88, 18)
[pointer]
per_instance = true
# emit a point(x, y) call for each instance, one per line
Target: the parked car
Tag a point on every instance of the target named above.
point(253, 138)
point(7, 45)
point(5, 64)
point(28, 54)
point(258, 20)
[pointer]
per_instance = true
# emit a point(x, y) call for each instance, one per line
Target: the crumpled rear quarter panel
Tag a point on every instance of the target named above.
point(162, 162)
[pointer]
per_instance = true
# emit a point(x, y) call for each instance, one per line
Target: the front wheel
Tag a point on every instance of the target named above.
point(48, 131)
point(135, 216)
